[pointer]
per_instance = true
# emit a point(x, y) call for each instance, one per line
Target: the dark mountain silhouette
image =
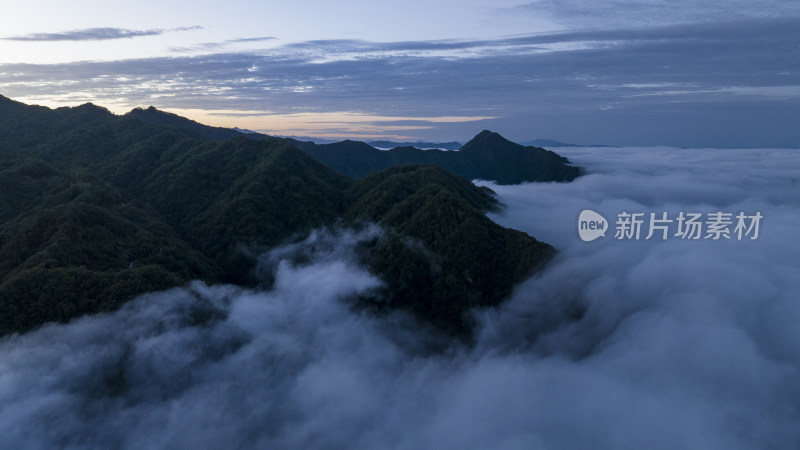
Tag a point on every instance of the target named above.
point(487, 156)
point(499, 159)
point(162, 118)
point(452, 145)
point(97, 208)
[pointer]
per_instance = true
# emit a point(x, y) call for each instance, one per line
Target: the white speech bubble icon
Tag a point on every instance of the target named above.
point(591, 225)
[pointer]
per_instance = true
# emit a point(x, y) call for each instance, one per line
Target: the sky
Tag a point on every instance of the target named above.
point(646, 72)
point(616, 344)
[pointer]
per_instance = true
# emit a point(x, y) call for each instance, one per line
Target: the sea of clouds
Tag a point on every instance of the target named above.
point(616, 344)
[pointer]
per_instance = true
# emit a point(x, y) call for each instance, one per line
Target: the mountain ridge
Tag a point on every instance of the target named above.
point(506, 163)
point(487, 156)
point(98, 208)
point(452, 145)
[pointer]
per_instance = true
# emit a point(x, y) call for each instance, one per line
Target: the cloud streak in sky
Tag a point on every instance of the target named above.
point(615, 345)
point(722, 84)
point(96, 34)
point(583, 14)
point(216, 46)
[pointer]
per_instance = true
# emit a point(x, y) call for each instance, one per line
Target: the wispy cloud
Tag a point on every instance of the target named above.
point(685, 85)
point(212, 46)
point(591, 14)
point(334, 124)
point(96, 34)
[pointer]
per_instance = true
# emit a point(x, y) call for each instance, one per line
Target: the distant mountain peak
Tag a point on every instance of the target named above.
point(487, 156)
point(452, 145)
point(487, 141)
point(89, 106)
point(487, 135)
point(149, 110)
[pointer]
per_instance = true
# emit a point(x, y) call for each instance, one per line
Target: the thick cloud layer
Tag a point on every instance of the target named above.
point(617, 344)
point(662, 344)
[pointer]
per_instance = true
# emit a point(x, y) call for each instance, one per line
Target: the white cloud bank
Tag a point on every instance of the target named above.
point(618, 344)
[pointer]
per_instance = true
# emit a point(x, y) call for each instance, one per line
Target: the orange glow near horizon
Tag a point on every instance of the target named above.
point(325, 125)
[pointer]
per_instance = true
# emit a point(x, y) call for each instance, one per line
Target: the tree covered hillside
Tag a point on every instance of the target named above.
point(487, 156)
point(97, 208)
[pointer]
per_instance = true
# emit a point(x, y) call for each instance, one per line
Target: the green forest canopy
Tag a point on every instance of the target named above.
point(98, 208)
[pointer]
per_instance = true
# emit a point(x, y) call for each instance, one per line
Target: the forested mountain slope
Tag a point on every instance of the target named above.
point(97, 208)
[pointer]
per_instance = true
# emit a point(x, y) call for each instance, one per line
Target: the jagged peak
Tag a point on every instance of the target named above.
point(85, 108)
point(149, 110)
point(90, 106)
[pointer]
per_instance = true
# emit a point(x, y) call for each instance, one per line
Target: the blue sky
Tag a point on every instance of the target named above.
point(687, 73)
